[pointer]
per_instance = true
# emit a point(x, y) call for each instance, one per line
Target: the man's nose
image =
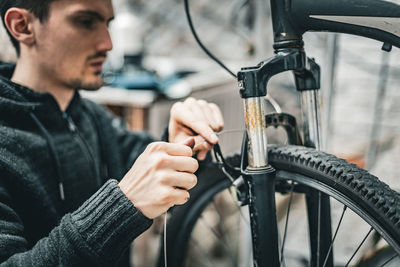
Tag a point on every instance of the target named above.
point(105, 43)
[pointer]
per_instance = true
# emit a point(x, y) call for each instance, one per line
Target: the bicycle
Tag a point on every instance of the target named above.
point(254, 176)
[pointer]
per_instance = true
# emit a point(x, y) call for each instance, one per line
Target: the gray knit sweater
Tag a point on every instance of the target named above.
point(59, 202)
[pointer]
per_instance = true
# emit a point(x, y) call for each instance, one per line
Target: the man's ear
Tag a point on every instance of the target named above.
point(19, 24)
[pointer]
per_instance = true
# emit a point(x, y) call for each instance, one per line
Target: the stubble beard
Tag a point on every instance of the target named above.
point(78, 84)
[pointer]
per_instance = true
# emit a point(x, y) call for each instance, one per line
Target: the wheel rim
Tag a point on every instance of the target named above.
point(340, 197)
point(304, 180)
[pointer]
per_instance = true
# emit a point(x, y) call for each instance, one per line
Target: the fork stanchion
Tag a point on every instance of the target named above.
point(256, 132)
point(311, 118)
point(318, 204)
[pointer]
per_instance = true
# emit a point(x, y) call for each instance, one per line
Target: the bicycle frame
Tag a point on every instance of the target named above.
point(377, 19)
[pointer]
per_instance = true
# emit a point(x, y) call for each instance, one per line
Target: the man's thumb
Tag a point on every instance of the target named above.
point(189, 142)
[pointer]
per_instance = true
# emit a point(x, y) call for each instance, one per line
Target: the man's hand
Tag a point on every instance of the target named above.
point(161, 177)
point(195, 118)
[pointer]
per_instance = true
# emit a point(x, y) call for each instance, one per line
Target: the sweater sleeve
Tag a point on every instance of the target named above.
point(96, 234)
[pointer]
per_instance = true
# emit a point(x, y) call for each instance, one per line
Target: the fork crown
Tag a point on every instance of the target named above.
point(252, 81)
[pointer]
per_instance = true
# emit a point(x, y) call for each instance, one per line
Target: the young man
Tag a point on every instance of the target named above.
point(59, 154)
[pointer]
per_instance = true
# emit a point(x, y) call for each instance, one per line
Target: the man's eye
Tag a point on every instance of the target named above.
point(87, 23)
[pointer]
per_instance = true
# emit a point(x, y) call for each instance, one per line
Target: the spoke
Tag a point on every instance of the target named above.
point(221, 226)
point(165, 240)
point(334, 237)
point(355, 252)
point(238, 208)
point(389, 260)
point(287, 220)
point(218, 238)
point(224, 234)
point(319, 228)
point(203, 251)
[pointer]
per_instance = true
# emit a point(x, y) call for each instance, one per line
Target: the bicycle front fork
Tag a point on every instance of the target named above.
point(259, 175)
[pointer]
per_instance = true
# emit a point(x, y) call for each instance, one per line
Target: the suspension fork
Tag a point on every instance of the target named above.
point(259, 175)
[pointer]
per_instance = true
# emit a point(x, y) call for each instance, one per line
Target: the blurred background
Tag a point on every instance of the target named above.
point(156, 62)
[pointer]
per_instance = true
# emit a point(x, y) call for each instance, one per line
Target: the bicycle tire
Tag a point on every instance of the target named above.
point(362, 192)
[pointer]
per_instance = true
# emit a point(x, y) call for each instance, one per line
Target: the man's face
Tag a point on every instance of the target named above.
point(71, 45)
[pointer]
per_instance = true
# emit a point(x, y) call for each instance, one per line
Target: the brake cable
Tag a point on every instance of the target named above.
point(189, 19)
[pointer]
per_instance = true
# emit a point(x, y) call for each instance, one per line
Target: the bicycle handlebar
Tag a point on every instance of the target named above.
point(376, 19)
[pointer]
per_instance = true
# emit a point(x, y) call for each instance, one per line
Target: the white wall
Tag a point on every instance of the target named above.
point(7, 52)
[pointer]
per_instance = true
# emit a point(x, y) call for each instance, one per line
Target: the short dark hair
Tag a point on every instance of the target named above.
point(39, 8)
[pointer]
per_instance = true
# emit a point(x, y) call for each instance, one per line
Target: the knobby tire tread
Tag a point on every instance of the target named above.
point(373, 191)
point(355, 182)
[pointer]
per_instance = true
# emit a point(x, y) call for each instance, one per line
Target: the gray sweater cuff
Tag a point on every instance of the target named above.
point(109, 222)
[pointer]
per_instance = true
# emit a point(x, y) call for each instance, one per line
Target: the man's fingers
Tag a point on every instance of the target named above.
point(187, 118)
point(217, 116)
point(203, 145)
point(181, 180)
point(171, 149)
point(204, 130)
point(190, 142)
point(209, 114)
point(197, 111)
point(201, 148)
point(201, 113)
point(201, 155)
point(182, 164)
point(180, 196)
point(171, 196)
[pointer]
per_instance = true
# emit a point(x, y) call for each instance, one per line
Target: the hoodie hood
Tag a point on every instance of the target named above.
point(20, 105)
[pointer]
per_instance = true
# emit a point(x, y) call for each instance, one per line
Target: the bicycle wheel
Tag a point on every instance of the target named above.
point(206, 231)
